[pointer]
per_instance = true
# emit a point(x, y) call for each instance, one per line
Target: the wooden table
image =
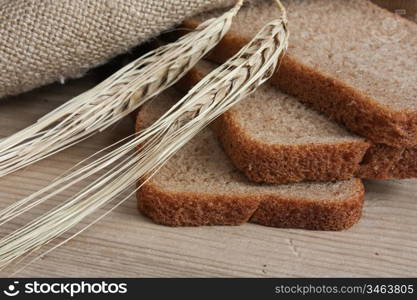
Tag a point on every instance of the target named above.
point(125, 243)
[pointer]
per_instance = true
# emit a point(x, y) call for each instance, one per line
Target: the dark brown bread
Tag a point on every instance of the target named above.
point(385, 162)
point(271, 139)
point(342, 61)
point(199, 186)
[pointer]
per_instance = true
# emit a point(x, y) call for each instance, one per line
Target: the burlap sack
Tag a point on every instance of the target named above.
point(42, 41)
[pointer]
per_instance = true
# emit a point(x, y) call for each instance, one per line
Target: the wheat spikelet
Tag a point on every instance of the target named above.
point(113, 99)
point(212, 96)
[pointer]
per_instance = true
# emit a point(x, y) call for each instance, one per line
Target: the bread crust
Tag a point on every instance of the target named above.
point(307, 214)
point(263, 162)
point(340, 102)
point(192, 209)
point(385, 162)
point(195, 209)
point(273, 163)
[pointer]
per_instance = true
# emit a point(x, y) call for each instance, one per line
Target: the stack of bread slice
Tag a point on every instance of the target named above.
point(341, 106)
point(200, 186)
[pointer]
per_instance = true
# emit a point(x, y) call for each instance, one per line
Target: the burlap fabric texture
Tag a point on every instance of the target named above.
point(42, 41)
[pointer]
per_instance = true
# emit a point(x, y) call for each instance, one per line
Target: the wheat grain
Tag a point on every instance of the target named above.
point(113, 99)
point(212, 96)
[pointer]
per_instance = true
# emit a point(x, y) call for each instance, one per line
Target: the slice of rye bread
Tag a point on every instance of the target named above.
point(271, 137)
point(385, 162)
point(352, 60)
point(199, 186)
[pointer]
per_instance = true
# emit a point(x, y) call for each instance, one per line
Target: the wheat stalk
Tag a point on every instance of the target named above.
point(114, 98)
point(212, 96)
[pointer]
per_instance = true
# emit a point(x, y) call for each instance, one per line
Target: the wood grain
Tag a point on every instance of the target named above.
point(127, 244)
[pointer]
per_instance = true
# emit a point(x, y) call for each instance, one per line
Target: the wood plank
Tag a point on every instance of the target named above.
point(125, 243)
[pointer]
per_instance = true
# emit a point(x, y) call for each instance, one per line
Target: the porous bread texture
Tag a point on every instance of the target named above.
point(199, 186)
point(352, 60)
point(273, 138)
point(385, 162)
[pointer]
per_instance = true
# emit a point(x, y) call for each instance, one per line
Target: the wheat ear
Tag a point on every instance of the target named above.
point(114, 98)
point(212, 96)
